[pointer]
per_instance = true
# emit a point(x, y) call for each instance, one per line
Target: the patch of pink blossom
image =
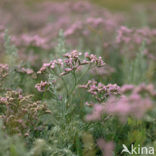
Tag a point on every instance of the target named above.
point(101, 91)
point(106, 147)
point(27, 71)
point(142, 89)
point(134, 101)
point(133, 105)
point(42, 86)
point(72, 62)
point(81, 21)
point(130, 41)
point(97, 111)
point(31, 40)
point(3, 70)
point(3, 100)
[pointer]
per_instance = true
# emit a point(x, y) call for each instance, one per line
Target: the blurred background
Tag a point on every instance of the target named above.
point(93, 25)
point(111, 4)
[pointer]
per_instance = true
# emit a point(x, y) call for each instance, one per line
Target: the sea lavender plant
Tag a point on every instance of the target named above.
point(120, 94)
point(134, 101)
point(100, 91)
point(20, 114)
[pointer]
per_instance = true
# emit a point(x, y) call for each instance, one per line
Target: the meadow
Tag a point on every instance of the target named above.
point(77, 78)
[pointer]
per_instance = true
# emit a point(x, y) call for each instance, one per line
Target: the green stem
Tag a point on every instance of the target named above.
point(76, 82)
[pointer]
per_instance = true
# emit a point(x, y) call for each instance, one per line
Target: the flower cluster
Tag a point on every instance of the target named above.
point(42, 86)
point(72, 62)
point(24, 70)
point(31, 40)
point(20, 113)
point(133, 105)
point(130, 40)
point(134, 101)
point(106, 147)
point(101, 91)
point(85, 23)
point(3, 71)
point(143, 90)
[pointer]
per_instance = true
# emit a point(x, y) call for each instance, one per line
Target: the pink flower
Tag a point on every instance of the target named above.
point(93, 59)
point(106, 147)
point(73, 54)
point(41, 87)
point(133, 105)
point(101, 91)
point(126, 88)
point(72, 61)
point(136, 103)
point(34, 40)
point(27, 71)
point(96, 115)
point(4, 68)
point(130, 39)
point(3, 100)
point(67, 69)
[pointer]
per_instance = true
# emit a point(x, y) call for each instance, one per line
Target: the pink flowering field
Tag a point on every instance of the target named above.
point(77, 78)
